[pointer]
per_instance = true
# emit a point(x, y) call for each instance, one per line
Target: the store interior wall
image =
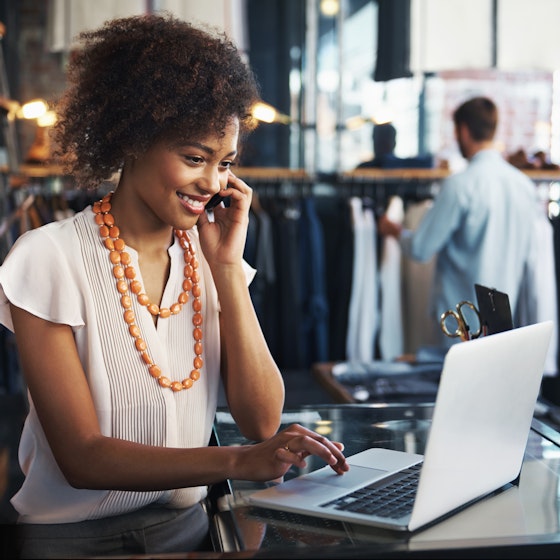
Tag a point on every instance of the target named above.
point(346, 55)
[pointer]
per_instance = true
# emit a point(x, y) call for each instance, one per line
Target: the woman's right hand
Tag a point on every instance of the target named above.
point(273, 457)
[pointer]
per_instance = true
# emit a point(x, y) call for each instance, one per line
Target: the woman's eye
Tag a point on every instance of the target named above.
point(227, 164)
point(196, 160)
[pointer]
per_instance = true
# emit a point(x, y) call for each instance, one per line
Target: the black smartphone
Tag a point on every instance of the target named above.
point(494, 309)
point(215, 200)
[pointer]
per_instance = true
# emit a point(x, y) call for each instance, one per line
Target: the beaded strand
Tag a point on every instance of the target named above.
point(126, 282)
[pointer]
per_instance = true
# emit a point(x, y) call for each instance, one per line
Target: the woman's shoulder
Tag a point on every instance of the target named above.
point(56, 241)
point(61, 231)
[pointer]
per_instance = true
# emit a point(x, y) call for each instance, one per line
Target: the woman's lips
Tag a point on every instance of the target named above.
point(193, 205)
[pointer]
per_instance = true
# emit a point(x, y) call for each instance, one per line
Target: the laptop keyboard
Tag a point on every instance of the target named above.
point(392, 497)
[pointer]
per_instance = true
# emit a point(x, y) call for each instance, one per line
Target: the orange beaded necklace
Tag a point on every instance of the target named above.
point(126, 279)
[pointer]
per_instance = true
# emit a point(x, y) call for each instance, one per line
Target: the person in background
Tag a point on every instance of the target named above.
point(384, 144)
point(482, 226)
point(129, 314)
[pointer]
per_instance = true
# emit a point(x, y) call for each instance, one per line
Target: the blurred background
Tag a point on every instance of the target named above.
point(331, 68)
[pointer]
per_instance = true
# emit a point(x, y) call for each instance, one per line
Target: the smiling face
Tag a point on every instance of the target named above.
point(169, 185)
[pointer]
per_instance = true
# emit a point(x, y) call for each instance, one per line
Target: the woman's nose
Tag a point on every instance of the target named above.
point(210, 181)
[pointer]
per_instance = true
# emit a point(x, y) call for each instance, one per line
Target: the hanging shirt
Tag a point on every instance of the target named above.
point(539, 298)
point(391, 333)
point(363, 313)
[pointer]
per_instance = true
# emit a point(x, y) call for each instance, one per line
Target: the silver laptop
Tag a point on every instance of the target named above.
point(476, 443)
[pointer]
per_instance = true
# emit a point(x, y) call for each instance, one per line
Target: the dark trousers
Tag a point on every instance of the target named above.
point(151, 530)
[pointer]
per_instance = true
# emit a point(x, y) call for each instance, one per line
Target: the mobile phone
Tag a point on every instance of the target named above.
point(215, 200)
point(495, 310)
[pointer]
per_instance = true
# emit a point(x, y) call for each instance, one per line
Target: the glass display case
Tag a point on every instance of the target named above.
point(517, 521)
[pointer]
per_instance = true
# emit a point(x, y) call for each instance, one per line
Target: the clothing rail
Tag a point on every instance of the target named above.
point(389, 175)
point(273, 174)
point(380, 184)
point(281, 173)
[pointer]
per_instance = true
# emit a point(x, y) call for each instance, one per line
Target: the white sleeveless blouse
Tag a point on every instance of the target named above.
point(61, 272)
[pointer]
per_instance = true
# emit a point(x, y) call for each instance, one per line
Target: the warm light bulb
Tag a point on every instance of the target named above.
point(264, 112)
point(48, 119)
point(268, 114)
point(34, 109)
point(329, 8)
point(354, 123)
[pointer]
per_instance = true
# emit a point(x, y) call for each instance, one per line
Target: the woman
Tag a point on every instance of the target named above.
point(128, 314)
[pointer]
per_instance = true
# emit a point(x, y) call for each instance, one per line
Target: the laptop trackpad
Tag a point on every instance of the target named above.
point(317, 487)
point(356, 476)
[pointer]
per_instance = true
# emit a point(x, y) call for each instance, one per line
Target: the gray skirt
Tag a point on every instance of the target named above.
point(151, 530)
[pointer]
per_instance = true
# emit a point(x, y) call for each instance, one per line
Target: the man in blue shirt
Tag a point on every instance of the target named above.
point(482, 225)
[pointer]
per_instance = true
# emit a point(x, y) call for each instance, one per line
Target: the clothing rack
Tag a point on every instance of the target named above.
point(379, 185)
point(302, 289)
point(302, 299)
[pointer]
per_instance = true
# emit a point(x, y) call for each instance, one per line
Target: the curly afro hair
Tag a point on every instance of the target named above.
point(143, 79)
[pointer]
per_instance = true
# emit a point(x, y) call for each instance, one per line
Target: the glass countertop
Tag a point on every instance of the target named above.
point(503, 523)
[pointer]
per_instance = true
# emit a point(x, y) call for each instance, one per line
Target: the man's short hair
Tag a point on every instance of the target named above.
point(384, 139)
point(480, 115)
